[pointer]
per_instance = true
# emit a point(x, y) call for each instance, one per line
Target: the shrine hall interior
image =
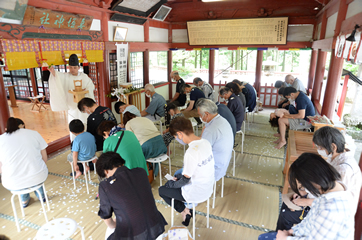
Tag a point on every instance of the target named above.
point(307, 39)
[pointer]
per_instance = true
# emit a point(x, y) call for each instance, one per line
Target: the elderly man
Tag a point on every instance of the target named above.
point(156, 109)
point(121, 107)
point(179, 98)
point(234, 104)
point(205, 87)
point(219, 133)
point(195, 94)
point(291, 81)
point(305, 108)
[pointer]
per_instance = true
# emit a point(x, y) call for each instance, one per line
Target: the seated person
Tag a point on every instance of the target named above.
point(147, 134)
point(195, 183)
point(218, 132)
point(83, 147)
point(283, 102)
point(279, 84)
point(173, 110)
point(128, 146)
point(23, 158)
point(294, 82)
point(155, 110)
point(121, 107)
point(249, 92)
point(97, 114)
point(330, 144)
point(297, 121)
point(235, 105)
point(195, 94)
point(205, 87)
point(236, 90)
point(179, 98)
point(127, 194)
point(331, 215)
point(225, 112)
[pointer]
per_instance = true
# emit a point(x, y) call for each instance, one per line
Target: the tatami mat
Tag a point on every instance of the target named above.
point(248, 208)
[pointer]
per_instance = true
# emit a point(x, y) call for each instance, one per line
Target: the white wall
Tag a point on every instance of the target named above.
point(331, 25)
point(300, 33)
point(135, 32)
point(354, 8)
point(158, 34)
point(179, 36)
point(96, 25)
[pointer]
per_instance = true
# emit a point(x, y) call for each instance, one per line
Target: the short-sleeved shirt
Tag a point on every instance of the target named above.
point(199, 165)
point(157, 105)
point(99, 115)
point(195, 95)
point(129, 149)
point(182, 97)
point(85, 145)
point(21, 159)
point(297, 84)
point(236, 107)
point(129, 196)
point(243, 100)
point(225, 112)
point(132, 109)
point(220, 135)
point(302, 102)
point(208, 91)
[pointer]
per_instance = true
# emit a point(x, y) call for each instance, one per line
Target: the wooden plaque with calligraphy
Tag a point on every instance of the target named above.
point(238, 31)
point(52, 19)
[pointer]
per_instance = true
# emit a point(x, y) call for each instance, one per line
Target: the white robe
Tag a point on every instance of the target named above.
point(62, 100)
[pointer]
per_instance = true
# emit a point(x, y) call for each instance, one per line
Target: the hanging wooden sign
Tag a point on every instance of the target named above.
point(52, 19)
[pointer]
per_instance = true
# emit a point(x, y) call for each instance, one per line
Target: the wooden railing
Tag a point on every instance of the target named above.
point(268, 95)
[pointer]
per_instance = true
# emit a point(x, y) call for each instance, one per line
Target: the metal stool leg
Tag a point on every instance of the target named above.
point(169, 163)
point(242, 143)
point(234, 163)
point(21, 206)
point(14, 210)
point(46, 196)
point(213, 202)
point(222, 187)
point(73, 174)
point(81, 231)
point(172, 210)
point(193, 220)
point(85, 177)
point(42, 205)
point(208, 212)
point(159, 169)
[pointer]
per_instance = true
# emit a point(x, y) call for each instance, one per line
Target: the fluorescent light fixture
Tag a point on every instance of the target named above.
point(162, 13)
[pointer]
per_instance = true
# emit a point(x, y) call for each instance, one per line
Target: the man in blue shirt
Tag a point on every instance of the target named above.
point(235, 105)
point(298, 121)
point(195, 94)
point(156, 109)
point(219, 133)
point(225, 112)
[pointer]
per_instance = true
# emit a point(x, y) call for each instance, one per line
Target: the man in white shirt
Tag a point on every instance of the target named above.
point(205, 87)
point(294, 82)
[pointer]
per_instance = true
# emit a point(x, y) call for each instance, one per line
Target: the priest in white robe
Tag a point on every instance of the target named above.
point(61, 83)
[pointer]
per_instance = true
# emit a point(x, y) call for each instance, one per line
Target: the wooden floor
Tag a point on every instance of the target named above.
point(51, 125)
point(249, 207)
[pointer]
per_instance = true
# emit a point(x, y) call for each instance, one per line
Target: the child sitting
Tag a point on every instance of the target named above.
point(83, 146)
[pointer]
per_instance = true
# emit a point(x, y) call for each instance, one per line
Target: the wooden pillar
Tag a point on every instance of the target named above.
point(146, 71)
point(169, 70)
point(259, 65)
point(146, 31)
point(4, 107)
point(33, 82)
point(211, 67)
point(104, 86)
point(330, 96)
point(358, 216)
point(343, 97)
point(313, 62)
point(319, 75)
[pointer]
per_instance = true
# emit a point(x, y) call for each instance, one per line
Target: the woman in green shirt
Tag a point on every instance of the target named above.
point(129, 148)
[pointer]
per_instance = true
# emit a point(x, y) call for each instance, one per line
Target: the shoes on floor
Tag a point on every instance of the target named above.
point(187, 220)
point(75, 173)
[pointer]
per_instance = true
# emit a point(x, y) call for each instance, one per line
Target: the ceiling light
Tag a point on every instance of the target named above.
point(316, 8)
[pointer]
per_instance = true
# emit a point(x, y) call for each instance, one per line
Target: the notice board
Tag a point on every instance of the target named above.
point(251, 31)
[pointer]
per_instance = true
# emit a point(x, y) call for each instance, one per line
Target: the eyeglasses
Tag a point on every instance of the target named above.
point(318, 147)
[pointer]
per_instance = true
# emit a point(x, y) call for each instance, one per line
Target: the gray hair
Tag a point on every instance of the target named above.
point(149, 87)
point(206, 105)
point(174, 73)
point(197, 80)
point(325, 136)
point(224, 90)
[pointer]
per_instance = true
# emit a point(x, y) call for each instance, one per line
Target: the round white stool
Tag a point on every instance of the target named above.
point(85, 172)
point(159, 159)
point(58, 229)
point(25, 191)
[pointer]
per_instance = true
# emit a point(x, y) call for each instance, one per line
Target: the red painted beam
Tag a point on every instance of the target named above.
point(343, 97)
point(312, 66)
point(146, 71)
point(211, 67)
point(146, 31)
point(323, 26)
point(334, 76)
point(158, 24)
point(340, 17)
point(259, 66)
point(348, 24)
point(4, 107)
point(169, 70)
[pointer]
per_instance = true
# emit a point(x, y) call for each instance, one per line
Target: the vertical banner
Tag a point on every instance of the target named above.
point(122, 55)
